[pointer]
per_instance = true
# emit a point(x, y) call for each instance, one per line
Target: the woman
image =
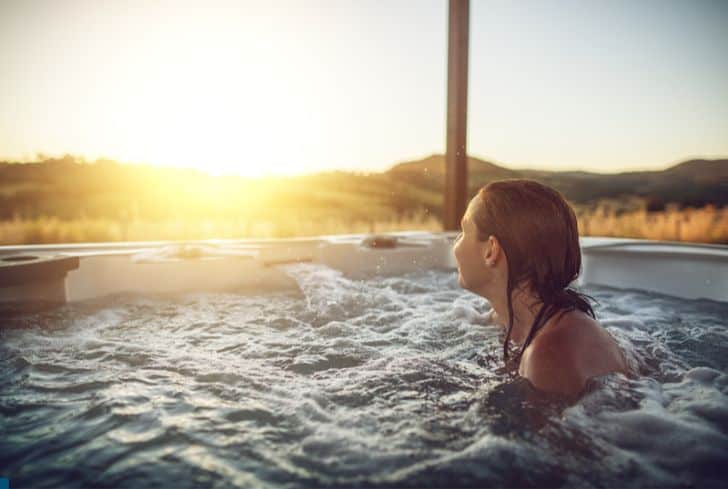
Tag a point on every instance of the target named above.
point(519, 249)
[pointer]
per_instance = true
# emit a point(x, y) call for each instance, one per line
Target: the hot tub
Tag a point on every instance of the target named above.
point(345, 361)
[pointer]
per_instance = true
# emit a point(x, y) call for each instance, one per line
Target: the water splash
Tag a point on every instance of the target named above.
point(388, 381)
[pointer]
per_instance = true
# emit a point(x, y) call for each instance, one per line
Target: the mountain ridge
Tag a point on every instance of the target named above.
point(695, 182)
point(438, 159)
point(66, 188)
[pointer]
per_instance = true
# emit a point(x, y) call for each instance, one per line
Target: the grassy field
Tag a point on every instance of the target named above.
point(69, 201)
point(54, 230)
point(705, 225)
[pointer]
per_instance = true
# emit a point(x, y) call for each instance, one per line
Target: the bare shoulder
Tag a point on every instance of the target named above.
point(570, 351)
point(550, 364)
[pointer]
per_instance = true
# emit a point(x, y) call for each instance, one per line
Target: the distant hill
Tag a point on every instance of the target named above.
point(65, 188)
point(690, 183)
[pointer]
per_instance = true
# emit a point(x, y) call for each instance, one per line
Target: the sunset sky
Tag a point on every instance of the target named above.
point(290, 87)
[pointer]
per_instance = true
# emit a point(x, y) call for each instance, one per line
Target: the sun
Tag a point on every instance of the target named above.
point(197, 107)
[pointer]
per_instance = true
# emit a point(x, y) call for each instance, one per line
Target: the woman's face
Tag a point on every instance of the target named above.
point(470, 257)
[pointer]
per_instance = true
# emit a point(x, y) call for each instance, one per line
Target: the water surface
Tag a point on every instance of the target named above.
point(370, 383)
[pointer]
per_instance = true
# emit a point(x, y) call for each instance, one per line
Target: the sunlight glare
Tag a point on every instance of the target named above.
point(212, 104)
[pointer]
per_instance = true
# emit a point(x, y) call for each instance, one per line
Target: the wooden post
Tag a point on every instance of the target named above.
point(456, 169)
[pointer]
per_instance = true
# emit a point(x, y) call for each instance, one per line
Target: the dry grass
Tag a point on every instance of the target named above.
point(705, 225)
point(54, 230)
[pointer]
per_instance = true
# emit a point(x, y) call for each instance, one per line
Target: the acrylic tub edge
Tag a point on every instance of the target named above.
point(681, 269)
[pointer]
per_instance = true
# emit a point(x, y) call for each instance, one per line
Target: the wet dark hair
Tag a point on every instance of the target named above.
point(538, 232)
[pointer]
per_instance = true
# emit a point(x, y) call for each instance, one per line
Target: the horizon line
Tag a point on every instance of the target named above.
point(82, 159)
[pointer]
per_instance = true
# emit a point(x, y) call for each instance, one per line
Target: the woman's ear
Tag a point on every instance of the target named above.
point(492, 251)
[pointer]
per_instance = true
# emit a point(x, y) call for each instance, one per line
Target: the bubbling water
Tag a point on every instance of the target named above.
point(387, 381)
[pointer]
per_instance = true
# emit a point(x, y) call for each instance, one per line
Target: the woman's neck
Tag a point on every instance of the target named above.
point(525, 309)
